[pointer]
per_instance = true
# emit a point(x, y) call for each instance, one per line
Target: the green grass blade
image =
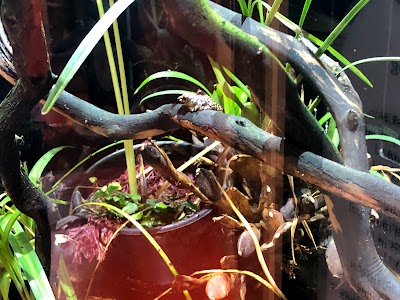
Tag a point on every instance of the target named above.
point(243, 8)
point(120, 92)
point(304, 12)
point(298, 31)
point(5, 281)
point(83, 50)
point(30, 263)
point(376, 173)
point(341, 26)
point(121, 65)
point(382, 137)
point(81, 163)
point(37, 169)
point(227, 89)
point(325, 118)
point(111, 62)
point(370, 59)
point(274, 9)
point(65, 280)
point(10, 264)
point(341, 59)
point(147, 235)
point(260, 12)
point(172, 74)
point(238, 82)
point(9, 259)
point(164, 93)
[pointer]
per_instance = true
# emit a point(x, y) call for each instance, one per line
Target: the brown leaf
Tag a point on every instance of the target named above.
point(246, 167)
point(241, 201)
point(229, 262)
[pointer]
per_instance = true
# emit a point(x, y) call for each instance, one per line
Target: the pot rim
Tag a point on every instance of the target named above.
point(120, 152)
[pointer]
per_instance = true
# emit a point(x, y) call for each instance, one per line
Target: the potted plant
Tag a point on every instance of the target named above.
point(137, 269)
point(301, 156)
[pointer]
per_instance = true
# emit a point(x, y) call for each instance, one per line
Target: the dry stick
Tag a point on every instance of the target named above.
point(191, 161)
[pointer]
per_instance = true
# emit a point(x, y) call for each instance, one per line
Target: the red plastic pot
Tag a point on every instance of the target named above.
point(132, 268)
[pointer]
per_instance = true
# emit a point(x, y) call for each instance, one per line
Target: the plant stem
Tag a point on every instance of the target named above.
point(121, 99)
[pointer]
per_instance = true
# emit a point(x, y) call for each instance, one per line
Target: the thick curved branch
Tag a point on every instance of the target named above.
point(22, 21)
point(355, 186)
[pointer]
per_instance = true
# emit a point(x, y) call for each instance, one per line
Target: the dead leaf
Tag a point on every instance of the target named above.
point(229, 262)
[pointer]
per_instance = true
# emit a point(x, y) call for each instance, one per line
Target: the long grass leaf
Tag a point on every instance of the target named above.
point(120, 92)
point(382, 137)
point(83, 51)
point(341, 26)
point(146, 234)
point(227, 90)
point(40, 165)
point(370, 59)
point(243, 8)
point(238, 82)
point(338, 56)
point(55, 185)
point(164, 93)
point(5, 281)
point(30, 263)
point(299, 31)
point(325, 118)
point(304, 12)
point(274, 9)
point(65, 280)
point(172, 74)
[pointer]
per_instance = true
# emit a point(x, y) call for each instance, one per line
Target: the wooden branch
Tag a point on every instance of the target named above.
point(22, 21)
point(255, 57)
point(237, 132)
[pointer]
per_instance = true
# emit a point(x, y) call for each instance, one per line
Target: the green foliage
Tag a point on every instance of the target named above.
point(149, 213)
point(235, 100)
point(40, 165)
point(18, 260)
point(171, 74)
point(382, 137)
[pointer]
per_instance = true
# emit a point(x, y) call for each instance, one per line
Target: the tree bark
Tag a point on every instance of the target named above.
point(22, 21)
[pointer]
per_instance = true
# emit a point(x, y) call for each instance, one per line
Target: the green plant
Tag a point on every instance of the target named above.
point(18, 260)
point(149, 213)
point(235, 100)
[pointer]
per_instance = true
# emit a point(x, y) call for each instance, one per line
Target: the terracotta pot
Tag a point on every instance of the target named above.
point(132, 268)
